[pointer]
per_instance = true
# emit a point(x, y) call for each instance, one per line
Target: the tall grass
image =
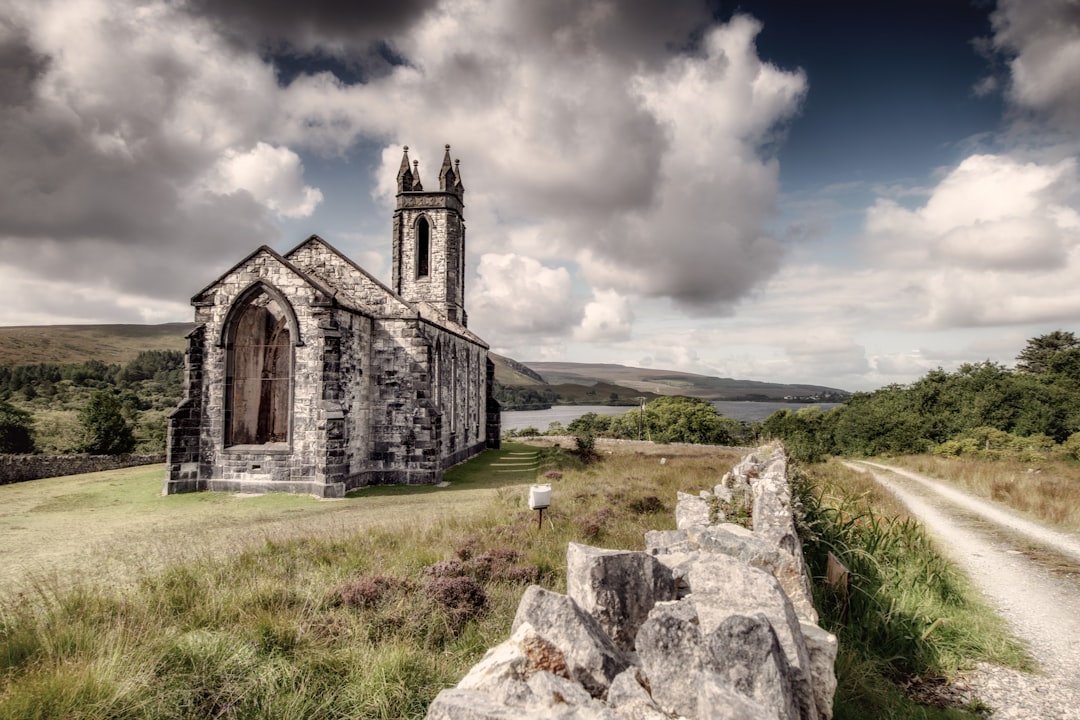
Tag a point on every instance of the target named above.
point(1048, 490)
point(907, 614)
point(371, 625)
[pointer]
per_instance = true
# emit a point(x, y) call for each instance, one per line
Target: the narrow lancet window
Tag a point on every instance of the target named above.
point(423, 248)
point(258, 384)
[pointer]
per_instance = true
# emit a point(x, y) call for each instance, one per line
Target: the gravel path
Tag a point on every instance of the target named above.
point(1030, 573)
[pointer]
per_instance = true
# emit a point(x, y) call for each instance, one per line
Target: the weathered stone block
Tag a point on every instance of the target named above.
point(592, 659)
point(617, 587)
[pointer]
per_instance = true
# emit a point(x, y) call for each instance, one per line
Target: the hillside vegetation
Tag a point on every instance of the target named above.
point(211, 605)
point(90, 406)
point(1030, 412)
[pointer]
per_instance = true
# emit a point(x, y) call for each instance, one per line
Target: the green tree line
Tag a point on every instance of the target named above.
point(110, 408)
point(980, 407)
point(664, 420)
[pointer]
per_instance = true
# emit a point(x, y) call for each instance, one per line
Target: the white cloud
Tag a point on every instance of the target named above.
point(116, 115)
point(28, 299)
point(274, 176)
point(997, 242)
point(516, 295)
point(649, 176)
point(608, 318)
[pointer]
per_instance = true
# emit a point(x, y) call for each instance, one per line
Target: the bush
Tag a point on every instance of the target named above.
point(15, 425)
point(106, 432)
point(370, 591)
point(1072, 446)
point(461, 596)
point(585, 447)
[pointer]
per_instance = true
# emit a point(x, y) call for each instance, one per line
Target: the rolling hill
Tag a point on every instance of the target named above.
point(578, 383)
point(670, 382)
point(61, 344)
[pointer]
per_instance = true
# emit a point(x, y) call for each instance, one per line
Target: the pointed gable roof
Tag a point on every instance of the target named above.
point(349, 281)
point(315, 284)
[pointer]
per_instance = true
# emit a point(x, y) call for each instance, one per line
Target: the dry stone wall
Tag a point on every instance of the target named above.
point(713, 621)
point(16, 468)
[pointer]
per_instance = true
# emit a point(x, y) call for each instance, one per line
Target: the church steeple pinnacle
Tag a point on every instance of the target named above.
point(447, 177)
point(405, 175)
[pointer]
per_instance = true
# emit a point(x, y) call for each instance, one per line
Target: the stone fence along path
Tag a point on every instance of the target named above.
point(712, 620)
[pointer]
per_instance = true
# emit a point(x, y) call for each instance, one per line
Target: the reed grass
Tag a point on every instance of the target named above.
point(908, 612)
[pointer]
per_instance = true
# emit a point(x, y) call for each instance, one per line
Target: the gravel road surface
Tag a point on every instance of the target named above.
point(1029, 573)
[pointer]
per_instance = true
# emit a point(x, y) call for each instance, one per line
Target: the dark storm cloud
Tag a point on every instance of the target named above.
point(1041, 41)
point(312, 24)
point(631, 30)
point(20, 65)
point(114, 130)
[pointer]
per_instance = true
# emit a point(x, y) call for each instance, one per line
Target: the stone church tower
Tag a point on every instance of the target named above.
point(429, 240)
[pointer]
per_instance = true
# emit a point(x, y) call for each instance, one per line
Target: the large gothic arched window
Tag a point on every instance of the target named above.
point(259, 372)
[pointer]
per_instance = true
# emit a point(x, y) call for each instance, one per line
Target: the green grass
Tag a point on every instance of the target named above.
point(337, 619)
point(211, 605)
point(908, 613)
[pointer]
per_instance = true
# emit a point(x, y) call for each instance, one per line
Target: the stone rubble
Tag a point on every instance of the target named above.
point(712, 621)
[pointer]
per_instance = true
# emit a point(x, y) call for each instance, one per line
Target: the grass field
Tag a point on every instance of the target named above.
point(121, 603)
point(116, 525)
point(1047, 491)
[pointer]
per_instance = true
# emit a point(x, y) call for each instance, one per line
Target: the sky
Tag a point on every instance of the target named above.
point(846, 194)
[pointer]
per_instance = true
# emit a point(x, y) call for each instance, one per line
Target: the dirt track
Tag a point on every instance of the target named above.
point(1029, 573)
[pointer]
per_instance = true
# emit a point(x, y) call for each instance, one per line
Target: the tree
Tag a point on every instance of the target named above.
point(105, 431)
point(15, 427)
point(1037, 356)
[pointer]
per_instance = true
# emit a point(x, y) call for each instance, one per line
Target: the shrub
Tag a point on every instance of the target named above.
point(15, 426)
point(370, 591)
point(106, 432)
point(648, 505)
point(461, 596)
point(585, 447)
point(592, 526)
point(1072, 446)
point(445, 568)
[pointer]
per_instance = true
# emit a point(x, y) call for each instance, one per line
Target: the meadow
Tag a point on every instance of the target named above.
point(121, 603)
point(1046, 490)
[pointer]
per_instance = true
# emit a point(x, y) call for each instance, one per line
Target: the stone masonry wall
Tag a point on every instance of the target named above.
point(713, 620)
point(17, 468)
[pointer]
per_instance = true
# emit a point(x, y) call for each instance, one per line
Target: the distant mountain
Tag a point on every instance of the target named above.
point(511, 372)
point(559, 382)
point(61, 344)
point(670, 382)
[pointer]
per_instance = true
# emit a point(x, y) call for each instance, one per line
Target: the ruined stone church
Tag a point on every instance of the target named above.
point(305, 374)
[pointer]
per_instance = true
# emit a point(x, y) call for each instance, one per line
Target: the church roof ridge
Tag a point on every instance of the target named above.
point(276, 256)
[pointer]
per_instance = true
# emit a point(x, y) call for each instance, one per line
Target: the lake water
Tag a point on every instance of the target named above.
point(739, 410)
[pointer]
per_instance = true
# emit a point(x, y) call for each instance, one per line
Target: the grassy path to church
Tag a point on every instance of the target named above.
point(117, 526)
